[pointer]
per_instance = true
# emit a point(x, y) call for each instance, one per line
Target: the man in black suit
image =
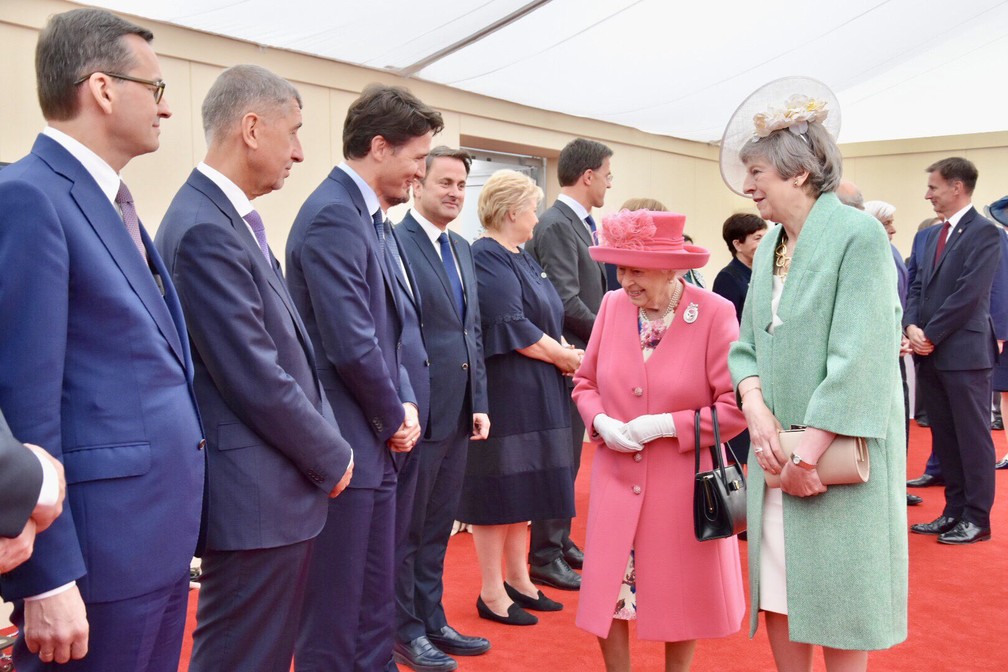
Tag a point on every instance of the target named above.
point(443, 266)
point(560, 244)
point(32, 488)
point(350, 285)
point(275, 455)
point(949, 326)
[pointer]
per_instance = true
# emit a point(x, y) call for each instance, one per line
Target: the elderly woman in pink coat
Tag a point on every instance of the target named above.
point(658, 352)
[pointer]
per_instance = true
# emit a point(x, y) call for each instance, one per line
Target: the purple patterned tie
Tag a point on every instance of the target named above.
point(259, 229)
point(129, 214)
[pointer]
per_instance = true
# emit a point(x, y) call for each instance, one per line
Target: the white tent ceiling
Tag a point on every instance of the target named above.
point(900, 68)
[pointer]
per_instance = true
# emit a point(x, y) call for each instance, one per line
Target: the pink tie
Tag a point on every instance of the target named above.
point(129, 214)
point(255, 222)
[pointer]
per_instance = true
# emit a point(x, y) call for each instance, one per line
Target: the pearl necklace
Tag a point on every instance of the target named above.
point(652, 331)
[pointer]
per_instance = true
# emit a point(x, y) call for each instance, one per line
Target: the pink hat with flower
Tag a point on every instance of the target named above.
point(647, 239)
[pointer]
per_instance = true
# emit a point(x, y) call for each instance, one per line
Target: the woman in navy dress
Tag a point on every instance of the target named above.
point(522, 471)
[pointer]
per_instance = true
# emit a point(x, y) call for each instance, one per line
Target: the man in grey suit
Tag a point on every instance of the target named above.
point(949, 325)
point(443, 266)
point(275, 455)
point(32, 487)
point(560, 244)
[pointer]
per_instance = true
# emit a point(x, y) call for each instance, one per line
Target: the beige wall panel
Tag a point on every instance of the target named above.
point(20, 118)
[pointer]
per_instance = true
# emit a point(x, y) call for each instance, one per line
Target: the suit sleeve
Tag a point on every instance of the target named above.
point(334, 258)
point(557, 253)
point(480, 403)
point(914, 279)
point(34, 296)
point(224, 313)
point(20, 483)
point(972, 287)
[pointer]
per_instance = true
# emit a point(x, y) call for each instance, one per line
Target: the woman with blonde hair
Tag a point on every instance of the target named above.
point(522, 471)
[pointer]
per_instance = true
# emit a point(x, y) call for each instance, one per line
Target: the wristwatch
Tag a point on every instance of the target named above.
point(799, 462)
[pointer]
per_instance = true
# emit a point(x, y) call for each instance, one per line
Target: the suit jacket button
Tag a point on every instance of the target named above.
point(636, 489)
point(426, 362)
point(399, 345)
point(637, 457)
point(638, 391)
point(465, 366)
point(465, 332)
point(201, 445)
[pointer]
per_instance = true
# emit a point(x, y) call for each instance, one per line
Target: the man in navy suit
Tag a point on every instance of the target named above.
point(442, 264)
point(949, 326)
point(96, 364)
point(348, 281)
point(32, 489)
point(274, 455)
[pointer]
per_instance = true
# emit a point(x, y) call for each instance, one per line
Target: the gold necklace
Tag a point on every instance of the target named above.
point(782, 260)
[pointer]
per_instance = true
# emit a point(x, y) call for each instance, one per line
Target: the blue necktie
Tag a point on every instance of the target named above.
point(594, 231)
point(453, 279)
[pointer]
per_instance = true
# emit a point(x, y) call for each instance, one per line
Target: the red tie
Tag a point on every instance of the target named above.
point(942, 237)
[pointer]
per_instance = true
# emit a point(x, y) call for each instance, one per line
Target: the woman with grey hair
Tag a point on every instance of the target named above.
point(883, 212)
point(818, 347)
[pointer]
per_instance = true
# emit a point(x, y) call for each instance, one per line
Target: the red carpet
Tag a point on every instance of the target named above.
point(958, 605)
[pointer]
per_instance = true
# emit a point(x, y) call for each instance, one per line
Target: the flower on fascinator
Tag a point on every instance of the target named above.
point(628, 230)
point(797, 113)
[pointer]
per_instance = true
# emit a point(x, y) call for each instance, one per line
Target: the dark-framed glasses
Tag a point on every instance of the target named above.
point(158, 85)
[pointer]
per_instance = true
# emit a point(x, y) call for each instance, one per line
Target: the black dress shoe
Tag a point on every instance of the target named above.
point(922, 422)
point(965, 532)
point(1003, 464)
point(422, 656)
point(913, 500)
point(997, 424)
point(939, 525)
point(542, 603)
point(574, 556)
point(926, 481)
point(557, 574)
point(516, 615)
point(452, 642)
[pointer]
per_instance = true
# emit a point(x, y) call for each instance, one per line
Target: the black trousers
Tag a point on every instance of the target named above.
point(549, 538)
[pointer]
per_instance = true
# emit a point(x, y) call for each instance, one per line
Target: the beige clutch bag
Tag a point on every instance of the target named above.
point(844, 462)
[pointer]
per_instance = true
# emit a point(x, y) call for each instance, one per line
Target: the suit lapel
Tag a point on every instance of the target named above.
point(953, 240)
point(413, 228)
point(108, 226)
point(408, 283)
point(271, 272)
point(812, 232)
point(582, 232)
point(369, 233)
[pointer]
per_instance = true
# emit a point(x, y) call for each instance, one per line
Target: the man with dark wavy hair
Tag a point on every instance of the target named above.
point(357, 297)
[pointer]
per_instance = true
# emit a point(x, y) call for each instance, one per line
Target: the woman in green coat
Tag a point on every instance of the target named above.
point(818, 348)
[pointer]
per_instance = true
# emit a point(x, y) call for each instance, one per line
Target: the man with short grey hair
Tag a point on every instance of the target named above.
point(274, 452)
point(850, 194)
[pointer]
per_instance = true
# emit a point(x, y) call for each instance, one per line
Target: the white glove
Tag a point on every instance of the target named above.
point(648, 428)
point(611, 431)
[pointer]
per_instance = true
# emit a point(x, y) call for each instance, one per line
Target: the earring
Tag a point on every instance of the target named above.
point(796, 183)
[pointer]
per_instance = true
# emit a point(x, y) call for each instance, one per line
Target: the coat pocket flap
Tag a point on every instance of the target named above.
point(95, 463)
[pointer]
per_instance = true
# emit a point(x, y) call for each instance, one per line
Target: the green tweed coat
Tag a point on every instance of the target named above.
point(833, 364)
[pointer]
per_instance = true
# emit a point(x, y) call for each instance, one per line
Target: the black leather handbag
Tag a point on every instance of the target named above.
point(719, 495)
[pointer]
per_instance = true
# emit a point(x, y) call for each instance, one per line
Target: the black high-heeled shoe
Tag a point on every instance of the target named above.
point(516, 615)
point(542, 603)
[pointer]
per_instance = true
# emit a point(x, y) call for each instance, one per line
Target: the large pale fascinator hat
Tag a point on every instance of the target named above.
point(790, 103)
point(647, 239)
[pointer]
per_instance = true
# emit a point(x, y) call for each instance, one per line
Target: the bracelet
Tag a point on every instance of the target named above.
point(742, 396)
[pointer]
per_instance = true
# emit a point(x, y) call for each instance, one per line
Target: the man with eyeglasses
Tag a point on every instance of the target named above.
point(96, 364)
